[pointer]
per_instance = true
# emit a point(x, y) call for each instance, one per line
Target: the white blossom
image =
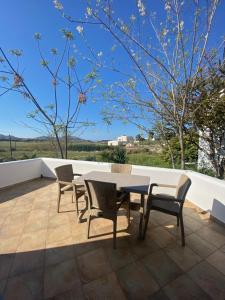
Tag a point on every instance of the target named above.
point(80, 29)
point(89, 11)
point(132, 18)
point(167, 6)
point(58, 5)
point(100, 54)
point(181, 25)
point(141, 8)
point(165, 31)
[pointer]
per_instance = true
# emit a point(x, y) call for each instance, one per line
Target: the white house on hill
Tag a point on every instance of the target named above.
point(121, 140)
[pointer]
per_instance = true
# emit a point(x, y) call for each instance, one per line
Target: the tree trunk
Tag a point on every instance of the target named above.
point(66, 141)
point(58, 142)
point(182, 148)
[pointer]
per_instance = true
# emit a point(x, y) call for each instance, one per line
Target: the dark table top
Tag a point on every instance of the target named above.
point(125, 182)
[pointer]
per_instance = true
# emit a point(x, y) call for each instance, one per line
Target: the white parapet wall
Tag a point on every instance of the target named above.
point(206, 192)
point(14, 172)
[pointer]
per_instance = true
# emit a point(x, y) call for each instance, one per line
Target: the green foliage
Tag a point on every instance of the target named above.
point(191, 149)
point(37, 36)
point(139, 138)
point(207, 171)
point(16, 52)
point(67, 34)
point(91, 158)
point(116, 155)
point(87, 147)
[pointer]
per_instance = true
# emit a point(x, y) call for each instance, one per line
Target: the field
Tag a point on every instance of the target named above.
point(141, 155)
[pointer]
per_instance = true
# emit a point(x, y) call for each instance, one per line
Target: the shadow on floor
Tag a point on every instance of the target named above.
point(12, 192)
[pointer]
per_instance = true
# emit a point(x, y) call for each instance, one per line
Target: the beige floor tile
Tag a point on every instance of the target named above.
point(27, 261)
point(160, 295)
point(60, 278)
point(199, 245)
point(211, 236)
point(58, 233)
point(74, 294)
point(34, 224)
point(141, 248)
point(106, 287)
point(9, 244)
point(162, 267)
point(161, 218)
point(183, 288)
point(209, 279)
point(119, 258)
point(184, 257)
point(33, 234)
point(11, 230)
point(58, 220)
point(6, 261)
point(161, 236)
point(28, 286)
point(136, 281)
point(217, 259)
point(32, 241)
point(93, 265)
point(192, 223)
point(2, 286)
point(59, 251)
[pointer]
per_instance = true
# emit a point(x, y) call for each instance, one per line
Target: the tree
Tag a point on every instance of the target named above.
point(166, 60)
point(66, 86)
point(208, 113)
point(139, 138)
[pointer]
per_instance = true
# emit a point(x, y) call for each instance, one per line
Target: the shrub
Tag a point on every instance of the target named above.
point(116, 155)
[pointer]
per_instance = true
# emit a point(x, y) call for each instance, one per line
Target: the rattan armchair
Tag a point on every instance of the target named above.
point(168, 204)
point(65, 182)
point(121, 168)
point(104, 202)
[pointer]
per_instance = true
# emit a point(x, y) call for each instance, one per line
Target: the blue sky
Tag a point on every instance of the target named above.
point(18, 22)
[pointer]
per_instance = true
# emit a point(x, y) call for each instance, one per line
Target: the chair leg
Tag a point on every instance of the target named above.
point(128, 214)
point(178, 221)
point(146, 222)
point(76, 201)
point(59, 198)
point(114, 232)
point(182, 230)
point(89, 225)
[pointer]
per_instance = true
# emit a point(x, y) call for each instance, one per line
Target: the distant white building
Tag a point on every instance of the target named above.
point(121, 140)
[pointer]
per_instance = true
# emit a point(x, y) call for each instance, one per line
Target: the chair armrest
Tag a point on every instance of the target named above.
point(64, 182)
point(165, 185)
point(122, 197)
point(161, 185)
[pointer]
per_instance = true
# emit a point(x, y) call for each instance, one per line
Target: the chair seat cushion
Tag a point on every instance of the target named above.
point(165, 202)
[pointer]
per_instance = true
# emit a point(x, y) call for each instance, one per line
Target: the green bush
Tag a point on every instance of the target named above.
point(87, 147)
point(116, 155)
point(91, 158)
point(191, 149)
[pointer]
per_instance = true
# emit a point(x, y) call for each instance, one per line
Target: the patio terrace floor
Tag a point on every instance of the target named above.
point(46, 255)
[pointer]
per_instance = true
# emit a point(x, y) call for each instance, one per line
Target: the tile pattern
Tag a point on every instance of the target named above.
point(46, 255)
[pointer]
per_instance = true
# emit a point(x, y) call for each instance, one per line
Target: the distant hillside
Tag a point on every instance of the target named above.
point(39, 138)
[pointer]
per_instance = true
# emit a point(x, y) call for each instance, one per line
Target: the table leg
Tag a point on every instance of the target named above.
point(142, 214)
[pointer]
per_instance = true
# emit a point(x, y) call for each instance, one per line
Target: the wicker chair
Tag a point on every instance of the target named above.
point(121, 168)
point(65, 178)
point(168, 204)
point(103, 202)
